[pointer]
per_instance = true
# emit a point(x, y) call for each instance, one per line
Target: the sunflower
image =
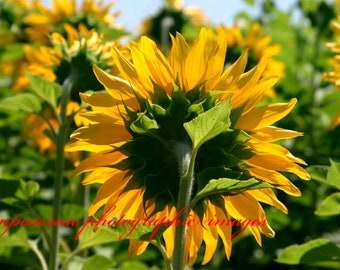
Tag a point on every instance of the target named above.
point(12, 34)
point(172, 18)
point(259, 46)
point(74, 56)
point(142, 136)
point(43, 21)
point(334, 75)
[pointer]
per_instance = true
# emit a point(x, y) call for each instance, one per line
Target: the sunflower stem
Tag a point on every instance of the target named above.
point(59, 173)
point(186, 157)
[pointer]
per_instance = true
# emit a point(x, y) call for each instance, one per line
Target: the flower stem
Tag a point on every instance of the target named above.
point(162, 249)
point(34, 247)
point(186, 157)
point(59, 173)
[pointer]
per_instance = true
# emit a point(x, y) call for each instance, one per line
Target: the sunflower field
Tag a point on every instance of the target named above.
point(183, 144)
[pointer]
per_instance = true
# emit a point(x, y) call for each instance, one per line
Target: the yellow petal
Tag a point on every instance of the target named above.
point(266, 195)
point(277, 163)
point(101, 159)
point(74, 146)
point(137, 247)
point(271, 134)
point(275, 178)
point(210, 234)
point(177, 55)
point(119, 89)
point(265, 115)
point(224, 232)
point(102, 134)
point(196, 62)
point(101, 175)
point(110, 189)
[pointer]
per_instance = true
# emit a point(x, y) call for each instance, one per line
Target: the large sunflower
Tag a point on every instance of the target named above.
point(143, 138)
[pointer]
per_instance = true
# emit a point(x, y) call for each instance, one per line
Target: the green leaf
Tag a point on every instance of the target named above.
point(28, 190)
point(209, 124)
point(329, 175)
point(21, 102)
point(18, 238)
point(47, 90)
point(330, 206)
point(125, 231)
point(319, 252)
point(318, 172)
point(12, 52)
point(143, 124)
point(72, 211)
point(333, 176)
point(17, 192)
point(135, 265)
point(89, 238)
point(107, 234)
point(228, 186)
point(97, 262)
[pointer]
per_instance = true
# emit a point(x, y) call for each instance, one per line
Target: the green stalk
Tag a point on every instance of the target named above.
point(162, 249)
point(34, 247)
point(186, 158)
point(59, 173)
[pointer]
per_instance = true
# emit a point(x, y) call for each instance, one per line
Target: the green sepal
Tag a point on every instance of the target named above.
point(179, 106)
point(160, 97)
point(143, 124)
point(208, 174)
point(235, 115)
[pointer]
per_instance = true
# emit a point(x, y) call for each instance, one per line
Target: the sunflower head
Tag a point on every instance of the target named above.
point(259, 46)
point(172, 18)
point(68, 57)
point(166, 119)
point(43, 21)
point(71, 60)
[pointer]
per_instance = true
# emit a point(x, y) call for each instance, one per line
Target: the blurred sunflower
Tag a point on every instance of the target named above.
point(334, 76)
point(140, 145)
point(69, 58)
point(171, 18)
point(91, 13)
point(12, 34)
point(259, 46)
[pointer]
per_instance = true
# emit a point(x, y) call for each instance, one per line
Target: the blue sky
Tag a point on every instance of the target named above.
point(219, 11)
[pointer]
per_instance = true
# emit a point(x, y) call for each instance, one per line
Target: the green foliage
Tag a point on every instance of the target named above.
point(209, 124)
point(319, 252)
point(302, 32)
point(228, 187)
point(45, 89)
point(21, 102)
